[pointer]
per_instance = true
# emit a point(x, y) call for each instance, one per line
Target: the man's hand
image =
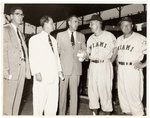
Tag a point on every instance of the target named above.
point(61, 76)
point(139, 65)
point(38, 77)
point(8, 77)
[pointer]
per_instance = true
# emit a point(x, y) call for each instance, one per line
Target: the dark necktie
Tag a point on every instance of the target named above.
point(50, 42)
point(72, 39)
point(24, 55)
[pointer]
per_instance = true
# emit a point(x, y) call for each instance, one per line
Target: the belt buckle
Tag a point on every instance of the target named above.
point(95, 61)
point(130, 63)
point(122, 63)
point(98, 61)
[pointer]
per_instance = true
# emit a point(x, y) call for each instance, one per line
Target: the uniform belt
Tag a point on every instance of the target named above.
point(97, 61)
point(125, 63)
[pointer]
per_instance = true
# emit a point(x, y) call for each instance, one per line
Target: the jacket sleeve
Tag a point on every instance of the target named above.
point(58, 59)
point(34, 56)
point(5, 54)
point(58, 43)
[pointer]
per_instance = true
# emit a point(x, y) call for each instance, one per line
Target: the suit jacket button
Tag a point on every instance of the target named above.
point(19, 64)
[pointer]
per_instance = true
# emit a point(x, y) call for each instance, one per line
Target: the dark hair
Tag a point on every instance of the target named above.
point(70, 17)
point(44, 19)
point(12, 10)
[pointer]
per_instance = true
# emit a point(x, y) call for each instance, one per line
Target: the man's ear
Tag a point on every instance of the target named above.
point(11, 16)
point(44, 24)
point(69, 22)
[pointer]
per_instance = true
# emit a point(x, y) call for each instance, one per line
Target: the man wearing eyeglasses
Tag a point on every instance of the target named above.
point(15, 63)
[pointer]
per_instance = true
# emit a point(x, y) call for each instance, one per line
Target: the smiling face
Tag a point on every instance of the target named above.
point(126, 27)
point(17, 17)
point(73, 23)
point(95, 25)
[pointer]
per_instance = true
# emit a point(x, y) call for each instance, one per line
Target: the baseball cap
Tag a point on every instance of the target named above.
point(125, 19)
point(96, 17)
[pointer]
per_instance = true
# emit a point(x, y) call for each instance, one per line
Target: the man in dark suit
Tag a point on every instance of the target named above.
point(70, 42)
point(15, 63)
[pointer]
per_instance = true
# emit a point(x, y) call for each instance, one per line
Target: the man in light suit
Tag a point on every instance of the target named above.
point(15, 63)
point(46, 69)
point(69, 44)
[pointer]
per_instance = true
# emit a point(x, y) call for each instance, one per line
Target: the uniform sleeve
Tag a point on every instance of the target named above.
point(144, 45)
point(5, 54)
point(113, 41)
point(117, 43)
point(89, 48)
point(34, 56)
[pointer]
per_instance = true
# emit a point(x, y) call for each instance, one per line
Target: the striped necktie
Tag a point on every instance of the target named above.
point(50, 42)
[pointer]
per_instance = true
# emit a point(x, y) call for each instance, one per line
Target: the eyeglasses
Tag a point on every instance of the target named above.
point(18, 14)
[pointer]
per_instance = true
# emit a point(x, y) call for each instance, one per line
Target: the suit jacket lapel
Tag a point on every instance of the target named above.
point(23, 43)
point(14, 37)
point(78, 41)
point(68, 40)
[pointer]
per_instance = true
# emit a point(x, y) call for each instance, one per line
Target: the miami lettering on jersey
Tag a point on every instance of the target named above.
point(98, 44)
point(126, 47)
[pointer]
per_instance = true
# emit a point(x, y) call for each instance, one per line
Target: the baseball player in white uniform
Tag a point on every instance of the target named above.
point(130, 48)
point(100, 47)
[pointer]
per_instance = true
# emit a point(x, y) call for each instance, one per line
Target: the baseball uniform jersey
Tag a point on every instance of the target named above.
point(130, 80)
point(100, 72)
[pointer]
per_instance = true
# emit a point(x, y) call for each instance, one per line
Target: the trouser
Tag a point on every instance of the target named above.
point(130, 89)
point(13, 90)
point(45, 98)
point(100, 77)
point(73, 82)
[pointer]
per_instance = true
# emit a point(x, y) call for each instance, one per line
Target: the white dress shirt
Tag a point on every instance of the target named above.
point(74, 35)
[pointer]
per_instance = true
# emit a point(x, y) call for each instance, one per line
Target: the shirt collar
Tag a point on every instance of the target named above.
point(15, 28)
point(71, 32)
point(45, 33)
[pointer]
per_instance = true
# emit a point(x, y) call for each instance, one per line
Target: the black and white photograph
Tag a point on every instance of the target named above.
point(74, 59)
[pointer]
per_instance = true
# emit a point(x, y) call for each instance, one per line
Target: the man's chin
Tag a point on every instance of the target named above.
point(21, 23)
point(92, 31)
